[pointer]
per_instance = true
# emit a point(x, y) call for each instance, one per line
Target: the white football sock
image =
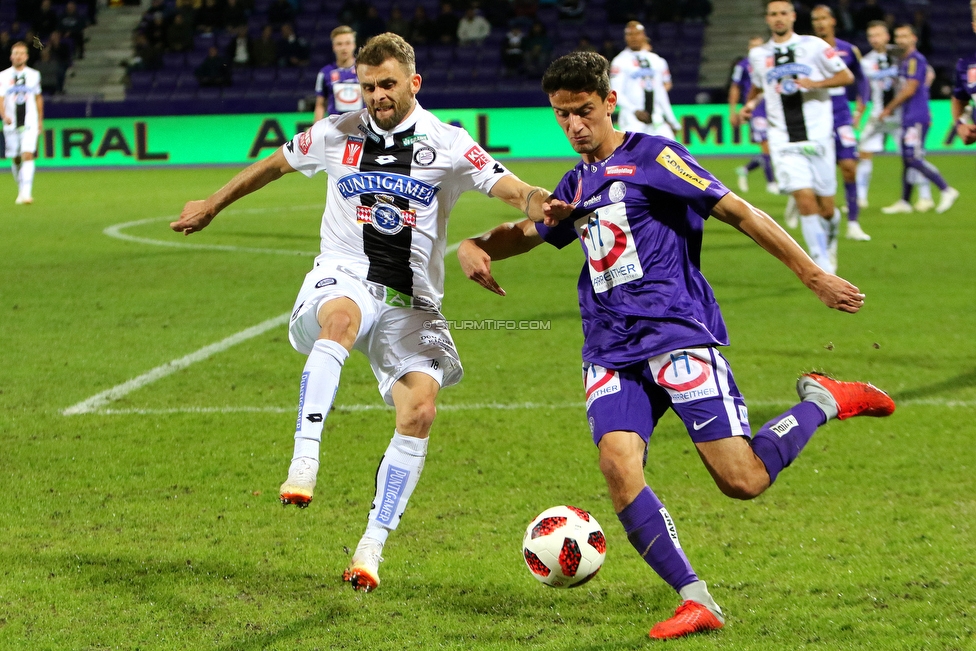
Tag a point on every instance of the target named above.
point(862, 177)
point(320, 381)
point(15, 169)
point(815, 234)
point(26, 178)
point(698, 591)
point(396, 478)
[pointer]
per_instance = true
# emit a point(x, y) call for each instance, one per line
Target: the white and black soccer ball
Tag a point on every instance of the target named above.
point(564, 547)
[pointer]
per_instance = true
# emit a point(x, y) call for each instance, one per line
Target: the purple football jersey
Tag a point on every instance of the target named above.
point(639, 217)
point(965, 82)
point(340, 87)
point(842, 107)
point(916, 108)
point(742, 77)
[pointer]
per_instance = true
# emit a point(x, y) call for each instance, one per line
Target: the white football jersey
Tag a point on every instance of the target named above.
point(390, 194)
point(20, 89)
point(639, 78)
point(881, 71)
point(794, 114)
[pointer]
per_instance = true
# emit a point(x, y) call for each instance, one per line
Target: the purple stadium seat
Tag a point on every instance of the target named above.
point(208, 94)
point(166, 80)
point(174, 60)
point(262, 77)
point(141, 81)
point(186, 80)
point(193, 59)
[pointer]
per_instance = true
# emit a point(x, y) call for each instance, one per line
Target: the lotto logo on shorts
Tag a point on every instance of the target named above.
point(305, 141)
point(685, 377)
point(599, 382)
point(478, 157)
point(353, 152)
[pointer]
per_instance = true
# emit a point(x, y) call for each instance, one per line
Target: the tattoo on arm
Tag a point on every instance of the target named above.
point(528, 201)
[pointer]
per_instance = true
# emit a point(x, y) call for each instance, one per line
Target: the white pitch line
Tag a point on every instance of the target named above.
point(779, 404)
point(100, 399)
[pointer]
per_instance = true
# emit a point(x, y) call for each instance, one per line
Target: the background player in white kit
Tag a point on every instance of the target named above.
point(793, 73)
point(22, 113)
point(880, 68)
point(642, 80)
point(395, 171)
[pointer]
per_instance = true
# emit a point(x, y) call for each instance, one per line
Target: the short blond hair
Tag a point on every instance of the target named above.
point(342, 29)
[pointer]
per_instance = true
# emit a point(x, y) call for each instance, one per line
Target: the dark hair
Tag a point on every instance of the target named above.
point(388, 46)
point(789, 2)
point(877, 23)
point(578, 72)
point(908, 26)
point(827, 7)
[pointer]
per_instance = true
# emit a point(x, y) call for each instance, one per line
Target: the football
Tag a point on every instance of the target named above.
point(564, 547)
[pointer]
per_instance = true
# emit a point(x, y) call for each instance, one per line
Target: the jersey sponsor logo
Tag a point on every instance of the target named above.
point(610, 249)
point(617, 191)
point(782, 77)
point(305, 141)
point(670, 161)
point(592, 200)
point(417, 137)
point(386, 218)
point(478, 157)
point(353, 152)
point(301, 399)
point(325, 282)
point(830, 53)
point(385, 159)
point(620, 170)
point(599, 382)
point(334, 76)
point(353, 185)
point(369, 133)
point(783, 427)
point(425, 156)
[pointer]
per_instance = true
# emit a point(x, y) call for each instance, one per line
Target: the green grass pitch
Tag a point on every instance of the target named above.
point(154, 523)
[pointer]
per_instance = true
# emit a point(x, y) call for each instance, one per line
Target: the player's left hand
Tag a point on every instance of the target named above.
point(838, 294)
point(967, 132)
point(476, 265)
point(555, 210)
point(805, 83)
point(195, 217)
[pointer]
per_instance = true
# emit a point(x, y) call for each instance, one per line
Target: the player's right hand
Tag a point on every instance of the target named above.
point(643, 116)
point(967, 132)
point(476, 265)
point(838, 294)
point(735, 119)
point(195, 217)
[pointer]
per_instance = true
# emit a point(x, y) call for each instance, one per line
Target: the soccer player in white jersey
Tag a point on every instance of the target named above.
point(880, 68)
point(22, 114)
point(793, 74)
point(394, 173)
point(642, 80)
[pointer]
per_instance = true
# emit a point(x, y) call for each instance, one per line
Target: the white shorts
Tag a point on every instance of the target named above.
point(19, 140)
point(396, 339)
point(873, 135)
point(810, 164)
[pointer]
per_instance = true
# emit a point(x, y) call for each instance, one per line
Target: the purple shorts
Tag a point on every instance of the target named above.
point(913, 140)
point(845, 142)
point(696, 383)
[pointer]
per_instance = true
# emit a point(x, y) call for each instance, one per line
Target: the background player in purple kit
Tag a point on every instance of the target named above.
point(738, 91)
point(916, 120)
point(336, 86)
point(824, 26)
point(964, 92)
point(651, 325)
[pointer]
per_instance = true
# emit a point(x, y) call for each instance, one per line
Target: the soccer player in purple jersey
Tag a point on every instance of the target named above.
point(738, 91)
point(336, 86)
point(824, 26)
point(637, 205)
point(916, 120)
point(964, 92)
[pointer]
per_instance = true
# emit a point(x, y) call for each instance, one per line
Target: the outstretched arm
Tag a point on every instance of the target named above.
point(197, 215)
point(505, 241)
point(835, 292)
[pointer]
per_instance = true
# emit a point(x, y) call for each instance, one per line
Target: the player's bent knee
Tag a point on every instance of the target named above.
point(744, 485)
point(415, 419)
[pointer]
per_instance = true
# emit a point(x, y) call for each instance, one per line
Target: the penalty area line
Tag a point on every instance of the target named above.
point(101, 399)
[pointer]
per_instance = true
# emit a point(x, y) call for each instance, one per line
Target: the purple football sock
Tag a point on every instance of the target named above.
point(906, 185)
point(652, 533)
point(930, 171)
point(780, 440)
point(850, 193)
point(768, 168)
point(753, 164)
